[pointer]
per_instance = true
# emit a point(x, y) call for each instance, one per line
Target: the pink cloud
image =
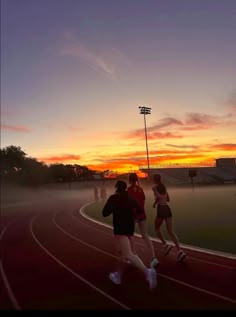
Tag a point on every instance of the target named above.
point(139, 134)
point(194, 121)
point(165, 122)
point(164, 135)
point(15, 128)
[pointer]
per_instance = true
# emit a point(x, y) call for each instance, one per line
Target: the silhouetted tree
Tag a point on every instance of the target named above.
point(12, 160)
point(33, 173)
point(28, 171)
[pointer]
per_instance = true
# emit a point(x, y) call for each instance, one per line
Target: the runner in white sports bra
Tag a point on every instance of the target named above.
point(164, 213)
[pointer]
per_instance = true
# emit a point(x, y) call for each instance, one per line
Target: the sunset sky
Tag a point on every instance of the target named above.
point(74, 72)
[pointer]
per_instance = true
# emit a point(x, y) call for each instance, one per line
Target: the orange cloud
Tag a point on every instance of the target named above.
point(128, 161)
point(165, 160)
point(138, 157)
point(224, 147)
point(183, 146)
point(176, 157)
point(60, 159)
point(133, 160)
point(15, 128)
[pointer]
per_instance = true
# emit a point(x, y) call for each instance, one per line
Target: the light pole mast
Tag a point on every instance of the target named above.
point(145, 111)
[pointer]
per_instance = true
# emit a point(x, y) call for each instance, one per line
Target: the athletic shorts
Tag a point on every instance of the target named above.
point(164, 211)
point(124, 227)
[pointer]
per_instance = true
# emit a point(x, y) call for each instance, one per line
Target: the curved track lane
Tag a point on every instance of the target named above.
point(55, 258)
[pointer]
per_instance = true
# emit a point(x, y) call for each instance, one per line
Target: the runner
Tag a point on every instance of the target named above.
point(136, 191)
point(103, 192)
point(164, 213)
point(95, 191)
point(121, 205)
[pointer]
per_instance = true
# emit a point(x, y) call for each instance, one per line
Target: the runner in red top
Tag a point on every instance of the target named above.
point(136, 191)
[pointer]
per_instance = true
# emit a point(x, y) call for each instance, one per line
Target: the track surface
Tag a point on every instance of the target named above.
point(52, 257)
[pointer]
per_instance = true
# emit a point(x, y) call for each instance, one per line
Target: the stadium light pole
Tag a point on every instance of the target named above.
point(145, 111)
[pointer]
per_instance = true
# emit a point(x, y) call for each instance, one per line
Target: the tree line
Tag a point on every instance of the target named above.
point(18, 167)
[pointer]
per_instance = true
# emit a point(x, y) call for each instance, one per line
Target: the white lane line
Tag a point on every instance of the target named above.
point(206, 251)
point(77, 239)
point(82, 212)
point(102, 231)
point(163, 275)
point(91, 226)
point(72, 272)
point(5, 280)
point(8, 288)
point(142, 245)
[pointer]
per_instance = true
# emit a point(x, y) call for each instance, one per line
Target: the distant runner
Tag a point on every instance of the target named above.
point(103, 192)
point(95, 191)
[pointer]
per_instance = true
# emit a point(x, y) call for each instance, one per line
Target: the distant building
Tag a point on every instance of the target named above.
point(224, 171)
point(226, 162)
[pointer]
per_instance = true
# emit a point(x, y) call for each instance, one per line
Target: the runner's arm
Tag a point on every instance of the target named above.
point(156, 196)
point(108, 208)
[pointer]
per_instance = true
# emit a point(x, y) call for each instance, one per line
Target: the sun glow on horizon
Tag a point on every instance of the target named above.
point(120, 167)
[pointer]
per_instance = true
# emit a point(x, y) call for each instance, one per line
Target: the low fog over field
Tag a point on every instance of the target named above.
point(15, 195)
point(203, 216)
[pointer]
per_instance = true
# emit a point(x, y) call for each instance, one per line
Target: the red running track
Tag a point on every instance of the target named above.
point(52, 257)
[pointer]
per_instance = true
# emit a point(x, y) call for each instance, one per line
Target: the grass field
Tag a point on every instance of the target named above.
point(204, 217)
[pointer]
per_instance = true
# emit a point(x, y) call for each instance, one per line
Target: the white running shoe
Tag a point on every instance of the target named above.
point(154, 263)
point(181, 255)
point(151, 277)
point(115, 278)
